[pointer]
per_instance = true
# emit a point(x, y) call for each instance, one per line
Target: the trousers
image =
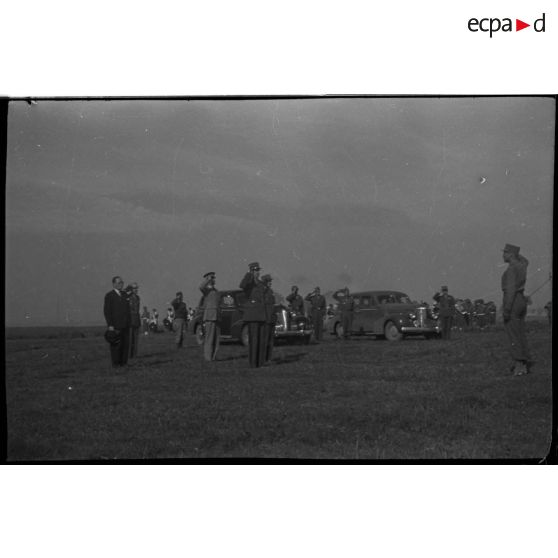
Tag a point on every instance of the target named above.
point(211, 340)
point(257, 343)
point(347, 323)
point(119, 353)
point(446, 323)
point(515, 329)
point(318, 325)
point(178, 325)
point(134, 331)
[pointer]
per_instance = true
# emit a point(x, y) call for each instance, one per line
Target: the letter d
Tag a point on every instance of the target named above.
point(535, 25)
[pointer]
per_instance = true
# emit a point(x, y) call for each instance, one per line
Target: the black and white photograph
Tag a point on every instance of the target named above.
point(337, 278)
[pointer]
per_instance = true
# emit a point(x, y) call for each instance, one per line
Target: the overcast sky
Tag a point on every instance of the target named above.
point(372, 193)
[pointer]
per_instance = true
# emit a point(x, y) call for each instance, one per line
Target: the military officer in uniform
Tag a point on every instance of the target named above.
point(296, 302)
point(446, 310)
point(515, 308)
point(254, 315)
point(211, 316)
point(317, 312)
point(346, 306)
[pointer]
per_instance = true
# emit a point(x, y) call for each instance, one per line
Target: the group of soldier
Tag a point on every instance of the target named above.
point(124, 320)
point(121, 310)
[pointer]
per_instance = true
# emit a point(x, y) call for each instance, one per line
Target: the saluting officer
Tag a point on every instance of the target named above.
point(254, 315)
point(515, 308)
point(346, 305)
point(317, 312)
point(446, 308)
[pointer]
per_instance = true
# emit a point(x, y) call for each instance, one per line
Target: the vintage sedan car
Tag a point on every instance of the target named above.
point(387, 314)
point(289, 326)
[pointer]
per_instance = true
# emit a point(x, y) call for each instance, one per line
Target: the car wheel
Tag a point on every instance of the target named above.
point(198, 332)
point(338, 329)
point(391, 332)
point(244, 336)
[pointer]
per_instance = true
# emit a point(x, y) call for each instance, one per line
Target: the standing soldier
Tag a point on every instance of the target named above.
point(180, 319)
point(446, 309)
point(211, 316)
point(135, 320)
point(317, 312)
point(515, 308)
point(296, 302)
point(270, 317)
point(345, 305)
point(254, 315)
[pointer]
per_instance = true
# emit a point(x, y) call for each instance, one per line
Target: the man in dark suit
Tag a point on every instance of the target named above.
point(254, 315)
point(117, 316)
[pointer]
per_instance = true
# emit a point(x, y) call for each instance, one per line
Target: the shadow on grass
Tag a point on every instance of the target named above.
point(148, 363)
point(231, 358)
point(289, 358)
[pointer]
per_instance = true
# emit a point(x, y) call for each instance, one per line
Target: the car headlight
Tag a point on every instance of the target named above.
point(412, 316)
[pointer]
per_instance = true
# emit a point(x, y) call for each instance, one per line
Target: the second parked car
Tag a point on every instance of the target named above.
point(387, 314)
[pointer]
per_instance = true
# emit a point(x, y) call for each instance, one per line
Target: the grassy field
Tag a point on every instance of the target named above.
point(361, 399)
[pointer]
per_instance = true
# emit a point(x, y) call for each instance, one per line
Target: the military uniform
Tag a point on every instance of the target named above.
point(317, 312)
point(515, 308)
point(254, 316)
point(446, 311)
point(211, 317)
point(180, 319)
point(346, 307)
point(135, 320)
point(296, 302)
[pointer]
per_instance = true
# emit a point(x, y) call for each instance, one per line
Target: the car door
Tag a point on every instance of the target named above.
point(376, 316)
point(361, 319)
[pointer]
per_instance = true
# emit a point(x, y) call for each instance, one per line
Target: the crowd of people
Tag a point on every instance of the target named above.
point(124, 320)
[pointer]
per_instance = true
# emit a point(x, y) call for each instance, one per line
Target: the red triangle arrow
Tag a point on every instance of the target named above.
point(519, 25)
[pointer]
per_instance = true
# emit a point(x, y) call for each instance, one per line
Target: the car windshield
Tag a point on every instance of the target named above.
point(393, 298)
